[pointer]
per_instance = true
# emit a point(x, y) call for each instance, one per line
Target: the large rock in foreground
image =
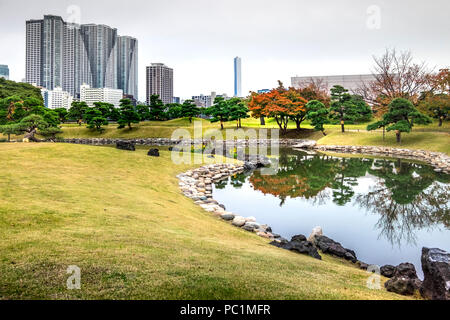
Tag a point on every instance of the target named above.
point(404, 280)
point(125, 145)
point(436, 270)
point(334, 248)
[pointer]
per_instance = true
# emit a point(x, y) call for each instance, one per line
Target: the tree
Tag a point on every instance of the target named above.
point(238, 111)
point(127, 114)
point(95, 118)
point(317, 113)
point(189, 110)
point(143, 111)
point(62, 114)
point(157, 108)
point(396, 75)
point(280, 103)
point(348, 108)
point(8, 130)
point(219, 111)
point(401, 117)
point(76, 111)
point(340, 104)
point(437, 106)
point(174, 111)
point(21, 90)
point(9, 109)
point(30, 126)
point(298, 101)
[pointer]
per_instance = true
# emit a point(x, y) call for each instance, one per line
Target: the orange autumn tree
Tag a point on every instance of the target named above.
point(281, 104)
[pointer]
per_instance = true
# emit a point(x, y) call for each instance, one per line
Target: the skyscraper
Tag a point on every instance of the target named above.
point(159, 81)
point(66, 55)
point(4, 71)
point(127, 65)
point(237, 77)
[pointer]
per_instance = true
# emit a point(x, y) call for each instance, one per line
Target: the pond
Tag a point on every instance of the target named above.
point(385, 210)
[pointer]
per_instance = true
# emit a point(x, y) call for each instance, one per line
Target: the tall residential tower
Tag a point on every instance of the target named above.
point(237, 77)
point(67, 55)
point(160, 81)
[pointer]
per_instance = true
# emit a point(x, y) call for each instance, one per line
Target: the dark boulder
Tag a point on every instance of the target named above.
point(436, 270)
point(404, 281)
point(332, 247)
point(387, 271)
point(298, 237)
point(303, 247)
point(403, 286)
point(406, 270)
point(153, 153)
point(125, 145)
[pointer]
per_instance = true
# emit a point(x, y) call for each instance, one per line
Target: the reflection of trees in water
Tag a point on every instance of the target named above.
point(304, 176)
point(407, 197)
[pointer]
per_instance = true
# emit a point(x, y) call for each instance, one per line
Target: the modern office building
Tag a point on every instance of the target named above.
point(349, 82)
point(92, 95)
point(56, 98)
point(127, 74)
point(237, 77)
point(66, 55)
point(4, 71)
point(159, 79)
point(203, 101)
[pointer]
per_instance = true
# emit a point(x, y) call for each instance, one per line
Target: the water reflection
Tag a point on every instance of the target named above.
point(406, 195)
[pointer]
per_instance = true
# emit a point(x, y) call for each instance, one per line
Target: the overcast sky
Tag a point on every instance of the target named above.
point(275, 39)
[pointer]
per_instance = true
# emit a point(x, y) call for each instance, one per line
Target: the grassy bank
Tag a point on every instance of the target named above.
point(121, 218)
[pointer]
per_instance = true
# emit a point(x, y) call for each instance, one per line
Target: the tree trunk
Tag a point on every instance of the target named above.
point(237, 124)
point(440, 121)
point(129, 125)
point(342, 125)
point(190, 120)
point(297, 122)
point(323, 132)
point(9, 137)
point(398, 134)
point(30, 135)
point(240, 123)
point(221, 125)
point(262, 121)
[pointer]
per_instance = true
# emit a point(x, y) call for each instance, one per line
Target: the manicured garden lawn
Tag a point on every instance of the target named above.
point(121, 218)
point(430, 137)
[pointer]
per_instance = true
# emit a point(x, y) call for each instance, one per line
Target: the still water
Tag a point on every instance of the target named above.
point(385, 210)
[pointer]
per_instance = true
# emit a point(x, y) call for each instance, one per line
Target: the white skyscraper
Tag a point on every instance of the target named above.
point(237, 77)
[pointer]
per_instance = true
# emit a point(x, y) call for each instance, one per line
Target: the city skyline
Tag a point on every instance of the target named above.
point(312, 45)
point(66, 55)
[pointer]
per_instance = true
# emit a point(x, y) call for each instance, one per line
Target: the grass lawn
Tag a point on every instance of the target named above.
point(433, 141)
point(430, 137)
point(121, 218)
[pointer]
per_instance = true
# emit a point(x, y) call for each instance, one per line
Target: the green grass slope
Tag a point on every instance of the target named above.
point(121, 218)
